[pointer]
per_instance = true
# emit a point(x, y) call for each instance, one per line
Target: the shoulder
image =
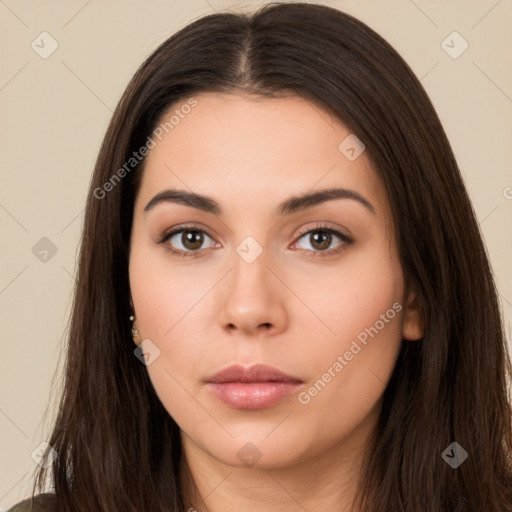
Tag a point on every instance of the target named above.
point(41, 503)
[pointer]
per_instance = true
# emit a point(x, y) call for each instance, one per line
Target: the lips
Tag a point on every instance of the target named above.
point(255, 387)
point(255, 373)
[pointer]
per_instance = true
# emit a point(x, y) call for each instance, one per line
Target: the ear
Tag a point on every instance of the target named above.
point(412, 327)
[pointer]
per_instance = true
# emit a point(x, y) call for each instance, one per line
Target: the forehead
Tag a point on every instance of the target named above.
point(241, 148)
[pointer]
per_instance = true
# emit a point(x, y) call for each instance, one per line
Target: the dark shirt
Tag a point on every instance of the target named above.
point(41, 503)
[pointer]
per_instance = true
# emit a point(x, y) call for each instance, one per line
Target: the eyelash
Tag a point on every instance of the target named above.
point(166, 235)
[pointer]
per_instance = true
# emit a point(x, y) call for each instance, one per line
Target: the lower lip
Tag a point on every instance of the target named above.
point(252, 395)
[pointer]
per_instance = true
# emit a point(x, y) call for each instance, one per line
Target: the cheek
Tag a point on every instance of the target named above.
point(361, 310)
point(163, 290)
point(164, 301)
point(168, 302)
point(348, 298)
point(349, 378)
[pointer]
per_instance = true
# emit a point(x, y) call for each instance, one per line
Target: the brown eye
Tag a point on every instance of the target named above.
point(186, 241)
point(320, 240)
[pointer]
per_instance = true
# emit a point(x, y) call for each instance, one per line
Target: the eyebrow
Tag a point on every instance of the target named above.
point(292, 205)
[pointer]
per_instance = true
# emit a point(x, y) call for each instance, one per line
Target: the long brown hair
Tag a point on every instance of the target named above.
point(119, 449)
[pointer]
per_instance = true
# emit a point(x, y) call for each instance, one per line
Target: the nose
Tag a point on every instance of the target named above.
point(253, 299)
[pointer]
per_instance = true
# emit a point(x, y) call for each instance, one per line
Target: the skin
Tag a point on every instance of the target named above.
point(286, 309)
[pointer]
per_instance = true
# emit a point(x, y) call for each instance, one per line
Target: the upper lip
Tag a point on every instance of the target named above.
point(254, 373)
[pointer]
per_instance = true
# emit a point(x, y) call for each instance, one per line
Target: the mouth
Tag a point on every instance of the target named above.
point(255, 387)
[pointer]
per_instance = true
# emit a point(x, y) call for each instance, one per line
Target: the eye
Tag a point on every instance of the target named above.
point(185, 240)
point(320, 238)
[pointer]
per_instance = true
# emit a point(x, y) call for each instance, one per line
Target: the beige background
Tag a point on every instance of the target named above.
point(54, 111)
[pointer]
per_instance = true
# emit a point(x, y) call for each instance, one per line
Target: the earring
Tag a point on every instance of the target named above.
point(135, 332)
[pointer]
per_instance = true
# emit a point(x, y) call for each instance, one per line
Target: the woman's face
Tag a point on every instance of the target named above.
point(312, 288)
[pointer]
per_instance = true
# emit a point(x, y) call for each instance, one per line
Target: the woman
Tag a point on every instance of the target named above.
point(283, 299)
